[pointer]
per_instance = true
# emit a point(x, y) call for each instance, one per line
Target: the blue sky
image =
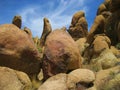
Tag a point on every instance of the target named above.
point(59, 12)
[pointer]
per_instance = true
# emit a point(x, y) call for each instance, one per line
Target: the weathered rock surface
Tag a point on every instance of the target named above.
point(79, 79)
point(46, 30)
point(108, 79)
point(57, 82)
point(114, 5)
point(28, 31)
point(112, 27)
point(97, 28)
point(100, 43)
point(17, 50)
point(61, 54)
point(82, 45)
point(14, 80)
point(105, 60)
point(17, 21)
point(79, 26)
point(101, 9)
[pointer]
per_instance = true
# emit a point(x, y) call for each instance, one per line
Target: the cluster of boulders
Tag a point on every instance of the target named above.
point(63, 59)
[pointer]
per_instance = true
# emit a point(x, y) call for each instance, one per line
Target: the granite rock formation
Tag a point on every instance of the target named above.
point(79, 27)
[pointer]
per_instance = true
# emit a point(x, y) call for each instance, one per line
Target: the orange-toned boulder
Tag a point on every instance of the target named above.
point(61, 54)
point(79, 26)
point(100, 43)
point(17, 50)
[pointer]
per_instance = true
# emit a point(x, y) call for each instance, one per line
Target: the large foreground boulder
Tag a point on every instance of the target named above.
point(17, 50)
point(79, 79)
point(61, 54)
point(14, 80)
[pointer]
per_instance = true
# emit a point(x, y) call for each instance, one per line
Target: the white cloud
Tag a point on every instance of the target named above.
point(60, 16)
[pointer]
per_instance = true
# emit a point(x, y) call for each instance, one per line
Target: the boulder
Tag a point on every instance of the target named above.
point(17, 50)
point(82, 45)
point(97, 28)
point(14, 80)
point(46, 30)
point(28, 31)
point(17, 21)
point(105, 60)
point(108, 79)
point(76, 17)
point(61, 54)
point(79, 26)
point(100, 43)
point(101, 9)
point(79, 79)
point(57, 82)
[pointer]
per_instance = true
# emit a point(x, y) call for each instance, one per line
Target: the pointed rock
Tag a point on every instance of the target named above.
point(17, 21)
point(46, 30)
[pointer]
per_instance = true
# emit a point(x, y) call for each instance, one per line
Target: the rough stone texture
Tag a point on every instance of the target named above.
point(100, 43)
point(82, 45)
point(57, 82)
point(46, 30)
point(105, 60)
point(101, 9)
point(61, 54)
point(78, 77)
point(114, 5)
point(76, 17)
point(97, 28)
point(28, 31)
point(17, 50)
point(79, 26)
point(17, 21)
point(14, 80)
point(108, 79)
point(112, 27)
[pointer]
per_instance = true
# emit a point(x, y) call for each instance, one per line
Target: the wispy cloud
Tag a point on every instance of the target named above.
point(59, 15)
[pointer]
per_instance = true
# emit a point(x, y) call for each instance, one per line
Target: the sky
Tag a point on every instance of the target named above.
point(59, 12)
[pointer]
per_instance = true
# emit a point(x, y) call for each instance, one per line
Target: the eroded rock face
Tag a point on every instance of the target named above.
point(97, 28)
point(112, 27)
point(17, 50)
point(14, 80)
point(28, 31)
point(114, 5)
point(101, 43)
point(79, 79)
point(46, 30)
point(17, 21)
point(61, 54)
point(79, 26)
point(108, 79)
